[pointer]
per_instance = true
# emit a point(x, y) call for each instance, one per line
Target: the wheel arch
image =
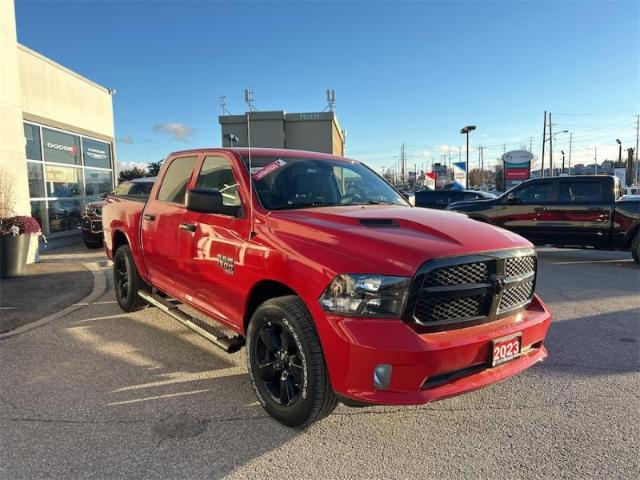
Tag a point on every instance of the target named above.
point(262, 291)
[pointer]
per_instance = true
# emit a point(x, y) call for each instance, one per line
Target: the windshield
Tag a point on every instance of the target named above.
point(290, 183)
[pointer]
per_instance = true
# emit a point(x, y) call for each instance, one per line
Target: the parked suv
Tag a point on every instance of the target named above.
point(574, 211)
point(92, 216)
point(336, 285)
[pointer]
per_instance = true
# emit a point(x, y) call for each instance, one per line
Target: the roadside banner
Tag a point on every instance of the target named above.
point(430, 180)
point(459, 175)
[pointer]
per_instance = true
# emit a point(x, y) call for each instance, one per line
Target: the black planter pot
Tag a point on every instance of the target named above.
point(13, 255)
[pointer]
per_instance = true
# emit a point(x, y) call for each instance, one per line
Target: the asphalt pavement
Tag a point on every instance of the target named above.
point(103, 394)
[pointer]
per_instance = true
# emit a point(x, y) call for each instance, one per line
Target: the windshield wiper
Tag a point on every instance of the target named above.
point(375, 202)
point(294, 206)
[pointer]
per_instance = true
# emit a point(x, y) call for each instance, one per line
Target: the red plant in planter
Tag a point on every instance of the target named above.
point(19, 225)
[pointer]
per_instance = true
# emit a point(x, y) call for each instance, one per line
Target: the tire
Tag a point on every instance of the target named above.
point(294, 386)
point(635, 248)
point(126, 281)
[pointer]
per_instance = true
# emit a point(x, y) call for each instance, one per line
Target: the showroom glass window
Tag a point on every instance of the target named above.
point(60, 147)
point(96, 154)
point(65, 171)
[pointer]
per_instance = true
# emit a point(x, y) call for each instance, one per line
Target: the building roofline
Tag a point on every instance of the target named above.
point(62, 67)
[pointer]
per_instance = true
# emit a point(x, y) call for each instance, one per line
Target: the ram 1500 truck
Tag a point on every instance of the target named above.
point(338, 288)
point(573, 211)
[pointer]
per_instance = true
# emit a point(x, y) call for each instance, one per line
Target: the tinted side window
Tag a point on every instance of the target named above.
point(580, 192)
point(216, 174)
point(141, 188)
point(535, 193)
point(174, 183)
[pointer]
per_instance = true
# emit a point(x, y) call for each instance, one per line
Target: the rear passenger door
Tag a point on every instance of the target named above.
point(582, 214)
point(161, 224)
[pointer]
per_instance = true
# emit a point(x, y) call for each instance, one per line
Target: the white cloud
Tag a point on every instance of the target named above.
point(178, 131)
point(423, 153)
point(444, 148)
point(125, 139)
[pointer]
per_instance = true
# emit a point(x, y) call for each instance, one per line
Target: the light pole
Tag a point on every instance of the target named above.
point(550, 139)
point(562, 152)
point(465, 131)
point(619, 152)
point(232, 138)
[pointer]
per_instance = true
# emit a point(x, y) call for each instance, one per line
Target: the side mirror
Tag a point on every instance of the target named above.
point(511, 198)
point(209, 201)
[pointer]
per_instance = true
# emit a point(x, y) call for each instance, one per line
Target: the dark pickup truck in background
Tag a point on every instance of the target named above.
point(573, 211)
point(439, 199)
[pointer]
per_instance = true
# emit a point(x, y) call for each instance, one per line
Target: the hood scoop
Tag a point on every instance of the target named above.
point(379, 223)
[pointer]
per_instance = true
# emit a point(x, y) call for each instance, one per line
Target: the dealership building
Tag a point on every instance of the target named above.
point(56, 134)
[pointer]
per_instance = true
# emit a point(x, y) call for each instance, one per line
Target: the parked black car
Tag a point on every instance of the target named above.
point(441, 198)
point(574, 211)
point(92, 216)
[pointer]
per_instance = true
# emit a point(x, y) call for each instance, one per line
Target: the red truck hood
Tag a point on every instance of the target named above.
point(387, 239)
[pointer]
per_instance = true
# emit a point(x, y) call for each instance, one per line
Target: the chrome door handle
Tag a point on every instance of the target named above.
point(189, 227)
point(148, 217)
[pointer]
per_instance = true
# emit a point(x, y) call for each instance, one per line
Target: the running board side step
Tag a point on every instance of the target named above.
point(211, 333)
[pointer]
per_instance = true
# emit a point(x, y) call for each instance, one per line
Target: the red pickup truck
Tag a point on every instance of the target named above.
point(338, 287)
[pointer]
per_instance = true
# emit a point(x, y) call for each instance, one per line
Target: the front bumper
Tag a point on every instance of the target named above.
point(427, 366)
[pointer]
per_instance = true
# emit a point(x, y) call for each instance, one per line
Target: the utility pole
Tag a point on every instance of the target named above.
point(570, 142)
point(530, 144)
point(482, 168)
point(402, 164)
point(595, 159)
point(544, 139)
point(550, 147)
point(637, 136)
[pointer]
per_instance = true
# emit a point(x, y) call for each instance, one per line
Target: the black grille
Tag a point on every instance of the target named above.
point(516, 296)
point(458, 275)
point(433, 309)
point(473, 289)
point(517, 266)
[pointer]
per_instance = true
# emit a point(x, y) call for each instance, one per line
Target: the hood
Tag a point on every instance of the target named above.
point(391, 240)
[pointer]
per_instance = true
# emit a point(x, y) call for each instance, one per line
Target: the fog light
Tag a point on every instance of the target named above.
point(382, 377)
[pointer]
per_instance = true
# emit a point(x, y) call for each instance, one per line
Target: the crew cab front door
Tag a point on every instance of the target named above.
point(214, 248)
point(520, 211)
point(161, 224)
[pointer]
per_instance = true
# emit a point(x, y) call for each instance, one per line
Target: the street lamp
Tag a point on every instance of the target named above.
point(465, 131)
point(562, 152)
point(232, 138)
point(551, 150)
point(619, 152)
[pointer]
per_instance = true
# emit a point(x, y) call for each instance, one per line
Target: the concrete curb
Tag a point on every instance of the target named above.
point(99, 288)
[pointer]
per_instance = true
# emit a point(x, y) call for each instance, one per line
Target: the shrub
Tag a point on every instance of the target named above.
point(19, 225)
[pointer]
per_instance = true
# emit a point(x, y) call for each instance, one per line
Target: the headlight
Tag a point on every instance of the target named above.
point(89, 209)
point(366, 295)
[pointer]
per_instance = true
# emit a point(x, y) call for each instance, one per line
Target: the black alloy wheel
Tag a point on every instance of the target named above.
point(279, 363)
point(121, 278)
point(286, 364)
point(126, 281)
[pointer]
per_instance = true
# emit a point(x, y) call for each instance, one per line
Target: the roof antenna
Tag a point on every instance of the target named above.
point(223, 105)
point(251, 230)
point(248, 97)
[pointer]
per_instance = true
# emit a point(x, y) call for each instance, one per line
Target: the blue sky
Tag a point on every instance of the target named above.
point(412, 72)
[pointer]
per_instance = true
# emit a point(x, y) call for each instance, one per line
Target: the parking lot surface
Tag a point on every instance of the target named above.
point(103, 394)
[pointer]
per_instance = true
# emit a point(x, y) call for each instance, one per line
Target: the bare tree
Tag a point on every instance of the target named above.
point(7, 194)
